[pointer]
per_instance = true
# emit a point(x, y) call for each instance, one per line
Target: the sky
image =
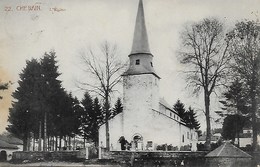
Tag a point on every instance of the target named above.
point(30, 28)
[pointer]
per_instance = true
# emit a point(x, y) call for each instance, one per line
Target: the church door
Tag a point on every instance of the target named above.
point(138, 142)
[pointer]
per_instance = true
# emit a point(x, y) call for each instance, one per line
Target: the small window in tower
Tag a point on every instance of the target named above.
point(137, 62)
point(152, 64)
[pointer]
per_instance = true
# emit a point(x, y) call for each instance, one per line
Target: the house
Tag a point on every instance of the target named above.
point(8, 145)
point(147, 121)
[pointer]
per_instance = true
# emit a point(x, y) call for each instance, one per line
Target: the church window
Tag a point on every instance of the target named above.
point(183, 138)
point(174, 116)
point(188, 135)
point(137, 62)
point(171, 114)
point(152, 64)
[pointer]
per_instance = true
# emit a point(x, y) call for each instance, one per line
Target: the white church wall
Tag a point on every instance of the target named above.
point(141, 95)
point(115, 131)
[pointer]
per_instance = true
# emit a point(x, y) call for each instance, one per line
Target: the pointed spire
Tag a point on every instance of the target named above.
point(140, 41)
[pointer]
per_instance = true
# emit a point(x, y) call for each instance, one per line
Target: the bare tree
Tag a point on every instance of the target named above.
point(245, 51)
point(106, 68)
point(4, 86)
point(204, 51)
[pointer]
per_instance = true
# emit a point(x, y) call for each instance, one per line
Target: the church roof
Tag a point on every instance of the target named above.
point(166, 105)
point(228, 150)
point(140, 41)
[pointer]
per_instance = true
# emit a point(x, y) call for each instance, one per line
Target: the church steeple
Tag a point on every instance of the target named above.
point(141, 59)
point(140, 41)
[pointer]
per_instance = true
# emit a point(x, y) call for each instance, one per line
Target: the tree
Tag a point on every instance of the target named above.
point(118, 108)
point(3, 86)
point(190, 119)
point(25, 113)
point(235, 101)
point(106, 68)
point(232, 126)
point(51, 90)
point(205, 53)
point(180, 109)
point(39, 99)
point(95, 118)
point(245, 51)
point(87, 103)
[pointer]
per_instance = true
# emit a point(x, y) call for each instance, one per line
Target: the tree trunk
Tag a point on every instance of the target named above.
point(56, 143)
point(60, 143)
point(254, 125)
point(28, 141)
point(45, 133)
point(69, 147)
point(40, 137)
point(74, 145)
point(25, 142)
point(207, 112)
point(84, 142)
point(107, 118)
point(33, 142)
point(254, 110)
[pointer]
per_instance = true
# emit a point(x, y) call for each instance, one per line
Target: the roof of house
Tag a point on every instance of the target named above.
point(11, 139)
point(228, 150)
point(5, 145)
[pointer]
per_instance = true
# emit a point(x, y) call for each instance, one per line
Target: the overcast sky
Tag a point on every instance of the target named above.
point(79, 24)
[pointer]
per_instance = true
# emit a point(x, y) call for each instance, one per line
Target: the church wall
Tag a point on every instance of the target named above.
point(141, 95)
point(169, 131)
point(115, 131)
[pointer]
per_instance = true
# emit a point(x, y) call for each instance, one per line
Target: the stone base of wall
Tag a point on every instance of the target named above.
point(154, 158)
point(48, 156)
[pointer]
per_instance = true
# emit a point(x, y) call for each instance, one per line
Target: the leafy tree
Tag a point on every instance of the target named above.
point(204, 51)
point(52, 90)
point(118, 108)
point(233, 125)
point(96, 118)
point(87, 103)
point(190, 119)
point(180, 109)
point(107, 70)
point(39, 99)
point(245, 51)
point(236, 102)
point(25, 113)
point(236, 98)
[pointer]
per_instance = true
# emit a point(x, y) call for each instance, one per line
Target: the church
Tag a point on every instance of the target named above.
point(147, 121)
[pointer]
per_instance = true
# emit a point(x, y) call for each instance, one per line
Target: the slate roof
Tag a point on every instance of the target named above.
point(11, 140)
point(140, 41)
point(5, 145)
point(166, 105)
point(228, 150)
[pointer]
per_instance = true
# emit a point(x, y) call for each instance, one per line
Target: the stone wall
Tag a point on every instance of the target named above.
point(39, 156)
point(151, 158)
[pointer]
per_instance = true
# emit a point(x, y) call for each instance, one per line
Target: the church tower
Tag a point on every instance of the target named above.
point(140, 85)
